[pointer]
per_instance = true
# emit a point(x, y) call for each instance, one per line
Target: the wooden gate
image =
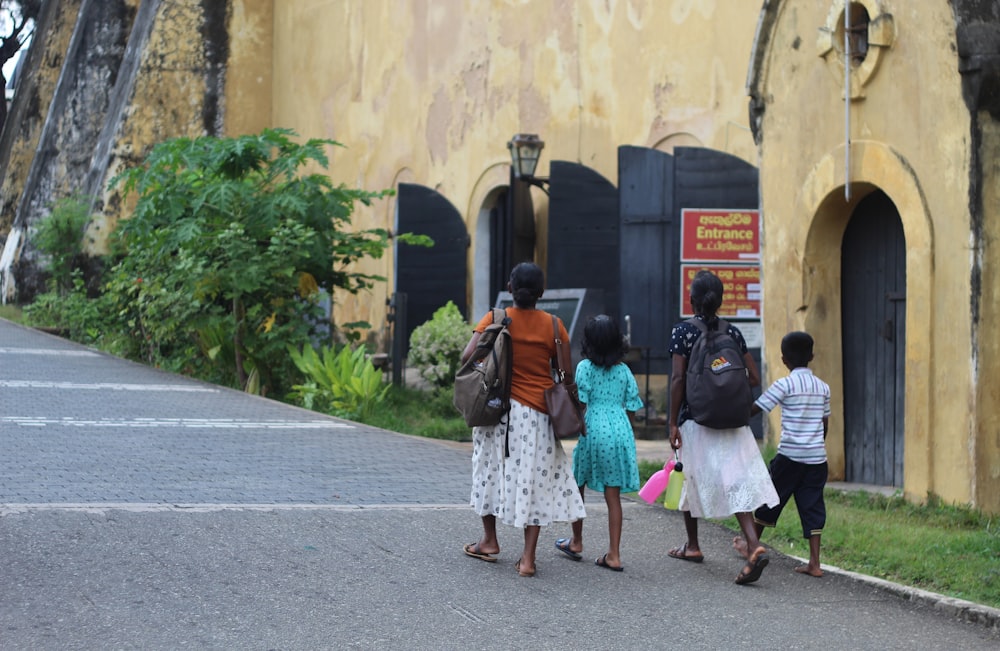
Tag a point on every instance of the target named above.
point(873, 297)
point(583, 232)
point(430, 277)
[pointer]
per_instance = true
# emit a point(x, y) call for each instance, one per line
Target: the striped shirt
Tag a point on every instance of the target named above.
point(804, 401)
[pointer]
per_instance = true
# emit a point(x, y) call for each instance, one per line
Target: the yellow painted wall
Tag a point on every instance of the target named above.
point(248, 73)
point(430, 92)
point(910, 134)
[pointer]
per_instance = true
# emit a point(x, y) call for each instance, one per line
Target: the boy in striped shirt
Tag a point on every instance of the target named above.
point(799, 469)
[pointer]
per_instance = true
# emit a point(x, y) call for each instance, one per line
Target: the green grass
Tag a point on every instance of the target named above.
point(950, 550)
point(422, 413)
point(11, 313)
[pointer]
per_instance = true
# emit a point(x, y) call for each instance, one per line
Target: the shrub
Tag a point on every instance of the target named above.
point(436, 346)
point(343, 383)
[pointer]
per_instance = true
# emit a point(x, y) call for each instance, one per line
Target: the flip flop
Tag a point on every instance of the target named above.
point(603, 562)
point(681, 554)
point(472, 549)
point(757, 564)
point(563, 545)
point(524, 573)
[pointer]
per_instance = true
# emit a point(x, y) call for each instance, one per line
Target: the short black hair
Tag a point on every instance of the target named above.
point(603, 343)
point(706, 293)
point(527, 283)
point(797, 348)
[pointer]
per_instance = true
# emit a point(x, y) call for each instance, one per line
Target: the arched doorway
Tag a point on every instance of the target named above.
point(873, 297)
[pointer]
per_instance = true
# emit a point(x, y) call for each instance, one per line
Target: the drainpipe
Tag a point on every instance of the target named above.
point(847, 101)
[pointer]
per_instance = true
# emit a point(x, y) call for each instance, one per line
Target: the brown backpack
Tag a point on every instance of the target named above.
point(482, 384)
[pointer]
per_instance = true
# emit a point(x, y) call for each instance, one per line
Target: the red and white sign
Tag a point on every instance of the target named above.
point(740, 289)
point(720, 235)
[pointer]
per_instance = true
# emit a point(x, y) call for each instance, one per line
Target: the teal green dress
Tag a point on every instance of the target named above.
point(606, 455)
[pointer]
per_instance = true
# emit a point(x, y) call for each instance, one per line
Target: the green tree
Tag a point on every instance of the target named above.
point(221, 266)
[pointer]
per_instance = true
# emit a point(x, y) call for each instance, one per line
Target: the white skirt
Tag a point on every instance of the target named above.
point(724, 472)
point(534, 485)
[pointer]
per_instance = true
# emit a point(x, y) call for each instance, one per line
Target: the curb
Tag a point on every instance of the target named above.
point(968, 611)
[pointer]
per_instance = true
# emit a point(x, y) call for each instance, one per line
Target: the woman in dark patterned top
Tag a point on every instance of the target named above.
point(724, 473)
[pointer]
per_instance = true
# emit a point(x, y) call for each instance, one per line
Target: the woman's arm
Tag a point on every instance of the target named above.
point(678, 383)
point(471, 346)
point(754, 374)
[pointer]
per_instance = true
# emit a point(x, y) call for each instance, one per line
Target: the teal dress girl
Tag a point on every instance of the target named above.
point(604, 460)
point(606, 455)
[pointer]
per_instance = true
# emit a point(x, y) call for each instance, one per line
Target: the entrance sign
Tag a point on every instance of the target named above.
point(720, 235)
point(741, 289)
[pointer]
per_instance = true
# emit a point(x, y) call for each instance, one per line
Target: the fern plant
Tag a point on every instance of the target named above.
point(344, 383)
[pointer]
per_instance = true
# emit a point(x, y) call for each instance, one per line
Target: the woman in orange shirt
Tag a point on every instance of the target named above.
point(520, 472)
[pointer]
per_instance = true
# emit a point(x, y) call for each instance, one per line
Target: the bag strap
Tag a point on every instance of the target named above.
point(561, 362)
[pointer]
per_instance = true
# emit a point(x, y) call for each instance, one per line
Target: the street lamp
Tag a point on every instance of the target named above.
point(525, 150)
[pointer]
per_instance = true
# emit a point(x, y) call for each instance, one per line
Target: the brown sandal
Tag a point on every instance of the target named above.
point(682, 554)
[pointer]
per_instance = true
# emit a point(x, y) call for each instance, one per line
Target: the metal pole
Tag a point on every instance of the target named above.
point(847, 100)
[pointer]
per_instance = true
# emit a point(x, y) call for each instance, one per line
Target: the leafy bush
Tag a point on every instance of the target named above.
point(436, 346)
point(60, 236)
point(343, 383)
point(230, 248)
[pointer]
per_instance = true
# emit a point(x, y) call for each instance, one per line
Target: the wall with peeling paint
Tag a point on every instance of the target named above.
point(913, 137)
point(432, 91)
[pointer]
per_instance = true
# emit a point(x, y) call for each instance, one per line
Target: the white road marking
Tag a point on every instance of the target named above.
point(48, 351)
point(105, 386)
point(199, 423)
point(149, 507)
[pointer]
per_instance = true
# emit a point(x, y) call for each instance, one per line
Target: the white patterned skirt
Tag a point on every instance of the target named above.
point(724, 472)
point(534, 485)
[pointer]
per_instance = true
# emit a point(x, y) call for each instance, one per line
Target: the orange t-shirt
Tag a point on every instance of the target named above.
point(534, 347)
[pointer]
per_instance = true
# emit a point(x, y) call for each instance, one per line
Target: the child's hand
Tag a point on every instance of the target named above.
point(675, 437)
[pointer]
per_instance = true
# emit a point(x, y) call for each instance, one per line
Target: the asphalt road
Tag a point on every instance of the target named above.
point(141, 510)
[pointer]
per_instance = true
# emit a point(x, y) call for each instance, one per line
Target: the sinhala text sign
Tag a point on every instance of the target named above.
point(720, 235)
point(740, 289)
point(727, 243)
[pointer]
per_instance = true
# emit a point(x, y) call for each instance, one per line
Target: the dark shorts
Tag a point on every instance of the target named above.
point(804, 482)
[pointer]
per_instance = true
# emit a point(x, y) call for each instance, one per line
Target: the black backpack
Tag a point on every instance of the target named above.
point(718, 385)
point(482, 384)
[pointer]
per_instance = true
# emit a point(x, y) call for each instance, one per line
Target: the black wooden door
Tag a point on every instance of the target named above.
point(512, 234)
point(873, 296)
point(583, 232)
point(430, 277)
point(649, 250)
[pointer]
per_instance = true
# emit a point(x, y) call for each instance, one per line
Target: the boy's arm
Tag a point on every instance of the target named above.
point(826, 426)
point(755, 409)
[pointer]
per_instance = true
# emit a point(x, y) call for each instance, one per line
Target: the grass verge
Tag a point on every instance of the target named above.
point(422, 413)
point(950, 550)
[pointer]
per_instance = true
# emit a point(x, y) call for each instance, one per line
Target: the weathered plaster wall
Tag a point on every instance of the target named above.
point(249, 70)
point(71, 130)
point(174, 87)
point(31, 104)
point(985, 448)
point(910, 134)
point(435, 89)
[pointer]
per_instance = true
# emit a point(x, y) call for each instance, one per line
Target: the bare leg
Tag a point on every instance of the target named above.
point(813, 568)
point(612, 496)
point(757, 558)
point(576, 542)
point(750, 533)
point(691, 526)
point(489, 544)
point(689, 551)
point(740, 544)
point(526, 564)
